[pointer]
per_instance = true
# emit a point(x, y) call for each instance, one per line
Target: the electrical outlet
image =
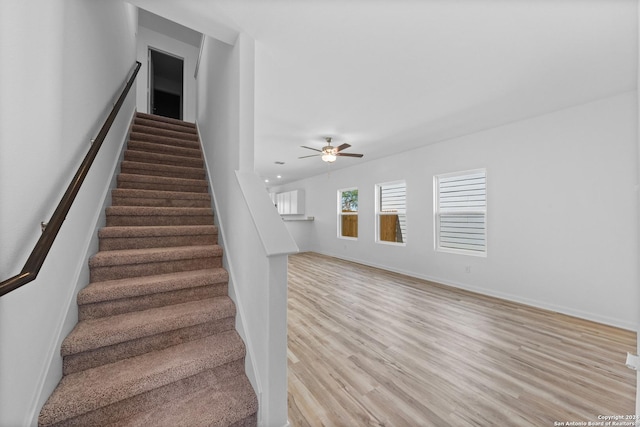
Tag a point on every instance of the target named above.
point(633, 361)
point(467, 269)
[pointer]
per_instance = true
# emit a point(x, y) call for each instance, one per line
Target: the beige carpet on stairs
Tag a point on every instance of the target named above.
point(155, 344)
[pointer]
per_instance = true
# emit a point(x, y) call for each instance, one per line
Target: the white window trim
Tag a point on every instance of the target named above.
point(436, 214)
point(378, 213)
point(340, 213)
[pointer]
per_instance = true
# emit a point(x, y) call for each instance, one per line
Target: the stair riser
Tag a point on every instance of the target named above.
point(141, 168)
point(150, 172)
point(126, 181)
point(160, 195)
point(110, 244)
point(162, 187)
point(166, 130)
point(168, 141)
point(145, 302)
point(148, 400)
point(154, 147)
point(162, 125)
point(157, 220)
point(110, 354)
point(159, 203)
point(162, 159)
point(184, 173)
point(162, 119)
point(110, 272)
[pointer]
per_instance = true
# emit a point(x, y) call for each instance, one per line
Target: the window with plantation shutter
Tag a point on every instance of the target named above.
point(391, 212)
point(461, 212)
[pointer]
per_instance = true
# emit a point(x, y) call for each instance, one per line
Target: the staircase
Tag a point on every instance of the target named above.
point(155, 344)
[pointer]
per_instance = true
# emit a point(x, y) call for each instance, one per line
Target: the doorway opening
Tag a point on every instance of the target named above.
point(166, 74)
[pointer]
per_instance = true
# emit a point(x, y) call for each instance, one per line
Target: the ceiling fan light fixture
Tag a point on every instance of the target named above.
point(330, 153)
point(329, 157)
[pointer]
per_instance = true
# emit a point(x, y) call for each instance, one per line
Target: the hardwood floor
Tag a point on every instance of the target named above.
point(369, 347)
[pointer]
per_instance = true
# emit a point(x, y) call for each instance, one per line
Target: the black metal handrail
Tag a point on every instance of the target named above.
point(39, 254)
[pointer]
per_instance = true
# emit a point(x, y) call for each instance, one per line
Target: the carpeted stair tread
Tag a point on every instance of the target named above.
point(106, 297)
point(150, 182)
point(157, 231)
point(163, 119)
point(164, 131)
point(107, 331)
point(120, 264)
point(155, 215)
point(140, 144)
point(159, 194)
point(162, 159)
point(88, 390)
point(141, 168)
point(125, 199)
point(138, 237)
point(232, 401)
point(165, 125)
point(155, 210)
point(141, 256)
point(138, 286)
point(90, 359)
point(159, 198)
point(162, 140)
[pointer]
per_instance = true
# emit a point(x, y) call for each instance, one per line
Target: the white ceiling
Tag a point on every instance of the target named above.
point(392, 75)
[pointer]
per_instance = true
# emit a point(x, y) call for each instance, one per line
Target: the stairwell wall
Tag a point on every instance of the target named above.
point(257, 278)
point(63, 64)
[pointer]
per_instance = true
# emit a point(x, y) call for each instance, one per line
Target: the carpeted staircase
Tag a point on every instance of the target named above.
point(155, 344)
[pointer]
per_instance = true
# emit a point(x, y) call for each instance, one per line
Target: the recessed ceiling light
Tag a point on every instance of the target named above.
point(266, 180)
point(279, 176)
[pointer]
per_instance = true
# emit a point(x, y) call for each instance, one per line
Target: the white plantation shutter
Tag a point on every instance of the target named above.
point(392, 200)
point(461, 212)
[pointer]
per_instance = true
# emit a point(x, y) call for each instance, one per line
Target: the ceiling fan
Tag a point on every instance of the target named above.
point(329, 153)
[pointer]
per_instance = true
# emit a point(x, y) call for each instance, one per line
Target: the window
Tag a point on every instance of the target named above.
point(391, 212)
point(461, 212)
point(348, 213)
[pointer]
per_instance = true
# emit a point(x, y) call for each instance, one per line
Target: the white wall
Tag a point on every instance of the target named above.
point(562, 212)
point(150, 39)
point(303, 232)
point(63, 62)
point(258, 278)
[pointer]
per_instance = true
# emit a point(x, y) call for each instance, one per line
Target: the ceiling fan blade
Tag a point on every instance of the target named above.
point(314, 149)
point(313, 155)
point(343, 147)
point(349, 154)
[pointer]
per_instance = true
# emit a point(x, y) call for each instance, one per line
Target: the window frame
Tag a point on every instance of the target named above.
point(379, 213)
point(341, 214)
point(468, 211)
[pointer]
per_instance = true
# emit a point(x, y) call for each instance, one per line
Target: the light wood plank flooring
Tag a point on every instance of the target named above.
point(369, 348)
